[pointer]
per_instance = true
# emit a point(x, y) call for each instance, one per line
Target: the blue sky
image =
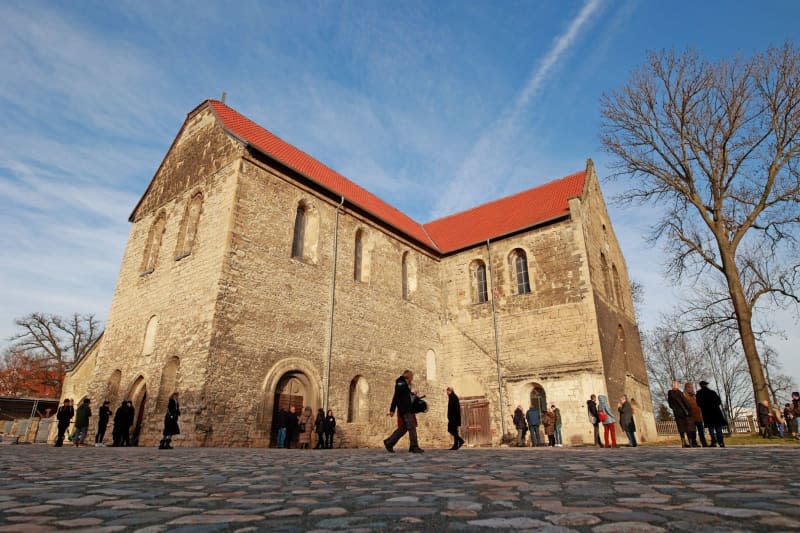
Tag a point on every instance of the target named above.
point(433, 106)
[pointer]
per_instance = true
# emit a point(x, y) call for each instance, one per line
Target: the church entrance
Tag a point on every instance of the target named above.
point(538, 398)
point(293, 390)
point(475, 427)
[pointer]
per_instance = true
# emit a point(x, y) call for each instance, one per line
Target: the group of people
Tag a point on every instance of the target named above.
point(549, 419)
point(696, 412)
point(123, 421)
point(772, 420)
point(600, 413)
point(294, 430)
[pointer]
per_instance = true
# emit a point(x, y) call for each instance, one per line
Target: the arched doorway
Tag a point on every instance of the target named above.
point(138, 396)
point(538, 398)
point(294, 389)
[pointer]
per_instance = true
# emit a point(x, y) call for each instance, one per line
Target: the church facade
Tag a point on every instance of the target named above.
point(256, 277)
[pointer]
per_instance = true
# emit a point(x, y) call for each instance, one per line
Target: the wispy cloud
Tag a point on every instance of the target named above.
point(495, 150)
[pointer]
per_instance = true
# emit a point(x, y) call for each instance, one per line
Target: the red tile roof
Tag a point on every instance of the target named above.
point(445, 235)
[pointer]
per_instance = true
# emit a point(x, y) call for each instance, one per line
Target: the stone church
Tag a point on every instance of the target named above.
point(257, 277)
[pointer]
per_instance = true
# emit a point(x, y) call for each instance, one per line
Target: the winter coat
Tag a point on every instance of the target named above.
point(697, 414)
point(796, 407)
point(171, 418)
point(330, 425)
point(534, 417)
point(64, 415)
point(519, 419)
point(626, 417)
point(591, 407)
point(105, 414)
point(292, 421)
point(130, 415)
point(305, 423)
point(557, 414)
point(602, 406)
point(82, 416)
point(319, 422)
point(120, 416)
point(761, 409)
point(681, 410)
point(549, 422)
point(711, 406)
point(281, 419)
point(453, 410)
point(777, 415)
point(401, 401)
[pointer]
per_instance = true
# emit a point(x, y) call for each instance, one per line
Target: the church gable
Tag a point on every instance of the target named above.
point(201, 148)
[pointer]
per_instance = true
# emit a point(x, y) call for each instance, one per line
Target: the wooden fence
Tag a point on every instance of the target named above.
point(739, 425)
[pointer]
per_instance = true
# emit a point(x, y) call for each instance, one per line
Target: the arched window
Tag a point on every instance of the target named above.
point(112, 388)
point(150, 258)
point(479, 291)
point(357, 402)
point(430, 365)
point(606, 277)
point(405, 275)
point(150, 336)
point(617, 286)
point(519, 262)
point(358, 257)
point(188, 230)
point(621, 347)
point(299, 232)
point(169, 382)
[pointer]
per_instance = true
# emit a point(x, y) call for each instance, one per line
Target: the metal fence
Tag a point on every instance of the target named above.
point(739, 425)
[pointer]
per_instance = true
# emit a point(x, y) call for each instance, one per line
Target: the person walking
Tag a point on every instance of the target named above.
point(710, 406)
point(608, 420)
point(330, 428)
point(281, 421)
point(594, 420)
point(64, 416)
point(82, 416)
point(626, 421)
point(534, 418)
point(549, 423)
point(559, 438)
point(102, 423)
point(304, 428)
point(319, 428)
point(171, 427)
point(401, 402)
point(454, 418)
point(683, 415)
point(697, 413)
point(522, 427)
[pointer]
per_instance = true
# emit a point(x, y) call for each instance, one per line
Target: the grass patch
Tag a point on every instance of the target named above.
point(739, 439)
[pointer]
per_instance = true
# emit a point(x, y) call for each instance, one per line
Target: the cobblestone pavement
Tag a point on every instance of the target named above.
point(567, 489)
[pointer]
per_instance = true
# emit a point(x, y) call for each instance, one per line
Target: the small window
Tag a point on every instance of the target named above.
point(150, 336)
point(480, 293)
point(299, 232)
point(358, 256)
point(520, 263)
point(405, 276)
point(188, 230)
point(617, 286)
point(606, 278)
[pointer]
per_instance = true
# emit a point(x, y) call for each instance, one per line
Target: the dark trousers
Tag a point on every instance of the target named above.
point(328, 441)
point(320, 440)
point(551, 440)
point(717, 439)
point(406, 427)
point(101, 432)
point(453, 430)
point(536, 438)
point(701, 433)
point(631, 438)
point(62, 429)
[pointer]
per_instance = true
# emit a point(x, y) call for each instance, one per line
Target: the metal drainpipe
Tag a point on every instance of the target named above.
point(333, 303)
point(497, 347)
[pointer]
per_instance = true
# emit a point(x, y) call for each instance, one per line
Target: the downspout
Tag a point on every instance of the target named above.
point(497, 348)
point(333, 304)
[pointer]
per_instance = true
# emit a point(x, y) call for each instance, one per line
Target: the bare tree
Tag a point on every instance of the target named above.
point(671, 355)
point(727, 370)
point(780, 384)
point(52, 342)
point(717, 146)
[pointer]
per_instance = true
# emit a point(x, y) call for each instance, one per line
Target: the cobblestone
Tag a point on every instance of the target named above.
point(501, 489)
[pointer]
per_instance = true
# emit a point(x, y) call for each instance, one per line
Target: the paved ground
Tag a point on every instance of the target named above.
point(195, 490)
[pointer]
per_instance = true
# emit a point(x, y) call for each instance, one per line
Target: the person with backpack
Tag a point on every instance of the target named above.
point(606, 418)
point(407, 423)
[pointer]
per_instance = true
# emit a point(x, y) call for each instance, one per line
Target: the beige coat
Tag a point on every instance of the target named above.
point(307, 419)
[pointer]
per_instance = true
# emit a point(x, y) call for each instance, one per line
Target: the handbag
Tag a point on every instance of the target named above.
point(602, 416)
point(302, 427)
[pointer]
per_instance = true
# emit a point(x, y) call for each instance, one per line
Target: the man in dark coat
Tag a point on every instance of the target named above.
point(292, 427)
point(82, 416)
point(764, 419)
point(171, 427)
point(591, 407)
point(64, 416)
point(520, 424)
point(710, 405)
point(102, 423)
point(683, 415)
point(120, 416)
point(454, 418)
point(401, 401)
point(534, 419)
point(626, 421)
point(130, 416)
point(281, 420)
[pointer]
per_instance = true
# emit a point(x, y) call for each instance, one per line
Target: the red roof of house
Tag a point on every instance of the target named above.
point(445, 235)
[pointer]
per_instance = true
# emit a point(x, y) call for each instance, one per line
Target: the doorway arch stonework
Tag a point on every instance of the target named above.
point(296, 374)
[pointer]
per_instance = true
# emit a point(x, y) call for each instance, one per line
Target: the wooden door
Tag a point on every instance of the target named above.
point(475, 426)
